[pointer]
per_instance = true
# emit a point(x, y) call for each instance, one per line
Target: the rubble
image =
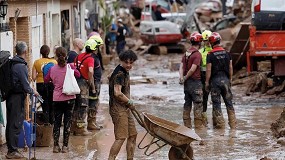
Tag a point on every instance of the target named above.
point(278, 127)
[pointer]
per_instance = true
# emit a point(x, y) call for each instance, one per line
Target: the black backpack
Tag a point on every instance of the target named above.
point(6, 76)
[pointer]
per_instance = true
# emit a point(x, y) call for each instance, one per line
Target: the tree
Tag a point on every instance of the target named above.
point(107, 18)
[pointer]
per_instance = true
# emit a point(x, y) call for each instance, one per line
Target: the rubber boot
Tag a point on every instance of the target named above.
point(218, 120)
point(187, 118)
point(80, 129)
point(82, 132)
point(198, 121)
point(91, 119)
point(92, 124)
point(232, 118)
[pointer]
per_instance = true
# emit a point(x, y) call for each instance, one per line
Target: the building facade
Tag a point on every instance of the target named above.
point(39, 22)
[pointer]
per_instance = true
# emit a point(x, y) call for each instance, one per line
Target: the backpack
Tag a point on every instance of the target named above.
point(6, 75)
point(46, 68)
point(78, 65)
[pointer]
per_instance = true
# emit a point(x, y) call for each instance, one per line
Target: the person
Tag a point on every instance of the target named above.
point(204, 51)
point(63, 104)
point(120, 105)
point(15, 103)
point(157, 13)
point(189, 72)
point(121, 35)
point(219, 76)
point(54, 48)
point(85, 64)
point(78, 46)
point(100, 43)
point(94, 98)
point(44, 89)
point(110, 38)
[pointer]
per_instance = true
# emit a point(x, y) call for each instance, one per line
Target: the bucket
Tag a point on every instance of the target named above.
point(44, 135)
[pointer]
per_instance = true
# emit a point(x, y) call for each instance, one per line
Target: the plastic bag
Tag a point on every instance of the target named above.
point(70, 86)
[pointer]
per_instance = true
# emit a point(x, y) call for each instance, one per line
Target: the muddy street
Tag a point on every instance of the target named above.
point(162, 96)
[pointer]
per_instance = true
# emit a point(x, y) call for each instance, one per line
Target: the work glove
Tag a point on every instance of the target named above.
point(130, 104)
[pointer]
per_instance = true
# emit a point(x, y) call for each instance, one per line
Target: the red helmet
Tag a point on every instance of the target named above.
point(196, 37)
point(214, 37)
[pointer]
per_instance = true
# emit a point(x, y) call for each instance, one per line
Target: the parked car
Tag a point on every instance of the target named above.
point(226, 22)
point(268, 14)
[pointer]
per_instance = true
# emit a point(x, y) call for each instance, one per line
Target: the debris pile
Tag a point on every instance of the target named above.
point(262, 81)
point(278, 128)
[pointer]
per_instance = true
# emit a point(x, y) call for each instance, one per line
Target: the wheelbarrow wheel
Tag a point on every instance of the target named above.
point(175, 154)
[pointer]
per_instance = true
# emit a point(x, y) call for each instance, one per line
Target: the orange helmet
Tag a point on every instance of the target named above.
point(196, 37)
point(215, 37)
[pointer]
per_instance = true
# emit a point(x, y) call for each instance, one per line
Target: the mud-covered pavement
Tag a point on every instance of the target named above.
point(251, 140)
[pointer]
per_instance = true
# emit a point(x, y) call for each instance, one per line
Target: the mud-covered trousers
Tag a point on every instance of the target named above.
point(15, 106)
point(193, 93)
point(46, 91)
point(65, 109)
point(81, 104)
point(94, 101)
point(205, 93)
point(220, 86)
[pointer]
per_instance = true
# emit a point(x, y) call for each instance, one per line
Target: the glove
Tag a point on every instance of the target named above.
point(130, 104)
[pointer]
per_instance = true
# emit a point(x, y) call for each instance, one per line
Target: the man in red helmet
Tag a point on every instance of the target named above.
point(219, 75)
point(190, 76)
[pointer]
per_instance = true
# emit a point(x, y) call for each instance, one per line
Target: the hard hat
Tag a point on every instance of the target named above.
point(196, 37)
point(215, 37)
point(92, 44)
point(206, 34)
point(98, 39)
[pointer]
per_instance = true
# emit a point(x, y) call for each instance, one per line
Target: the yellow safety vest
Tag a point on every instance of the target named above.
point(204, 51)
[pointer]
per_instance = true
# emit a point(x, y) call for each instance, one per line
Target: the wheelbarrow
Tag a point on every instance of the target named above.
point(165, 132)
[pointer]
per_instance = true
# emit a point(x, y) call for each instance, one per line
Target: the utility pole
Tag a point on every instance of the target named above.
point(224, 7)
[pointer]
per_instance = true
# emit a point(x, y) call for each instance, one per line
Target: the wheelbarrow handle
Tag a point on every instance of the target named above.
point(138, 117)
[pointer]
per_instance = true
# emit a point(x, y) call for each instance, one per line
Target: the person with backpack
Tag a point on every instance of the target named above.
point(94, 98)
point(219, 75)
point(100, 43)
point(84, 62)
point(120, 104)
point(15, 102)
point(44, 89)
point(78, 46)
point(190, 77)
point(63, 104)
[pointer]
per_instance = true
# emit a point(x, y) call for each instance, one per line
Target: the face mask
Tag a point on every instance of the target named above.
point(187, 53)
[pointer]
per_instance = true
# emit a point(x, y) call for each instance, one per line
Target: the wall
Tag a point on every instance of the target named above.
point(6, 43)
point(53, 35)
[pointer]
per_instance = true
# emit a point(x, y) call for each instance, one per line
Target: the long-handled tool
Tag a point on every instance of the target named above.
point(34, 100)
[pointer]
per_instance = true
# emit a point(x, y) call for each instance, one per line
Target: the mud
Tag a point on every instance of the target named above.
point(251, 140)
